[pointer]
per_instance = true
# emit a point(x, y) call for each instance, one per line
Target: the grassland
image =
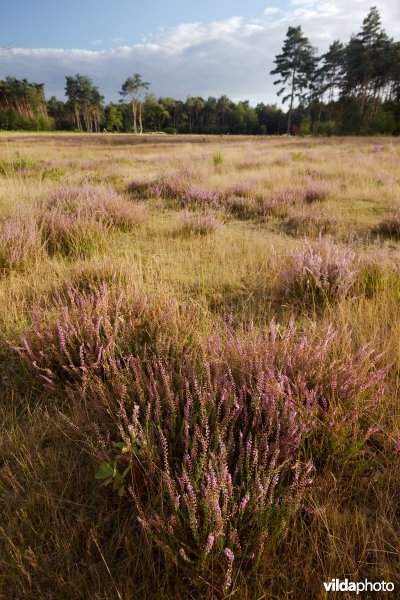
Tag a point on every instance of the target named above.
point(145, 281)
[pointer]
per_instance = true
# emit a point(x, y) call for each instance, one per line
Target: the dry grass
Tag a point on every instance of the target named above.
point(61, 534)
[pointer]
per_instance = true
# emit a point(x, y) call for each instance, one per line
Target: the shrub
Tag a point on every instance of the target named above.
point(318, 273)
point(103, 321)
point(98, 204)
point(243, 189)
point(213, 448)
point(312, 225)
point(179, 188)
point(75, 219)
point(260, 208)
point(315, 194)
point(283, 160)
point(19, 242)
point(71, 236)
point(242, 208)
point(18, 164)
point(193, 223)
point(390, 226)
point(214, 469)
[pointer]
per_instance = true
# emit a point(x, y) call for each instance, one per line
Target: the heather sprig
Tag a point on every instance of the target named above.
point(20, 243)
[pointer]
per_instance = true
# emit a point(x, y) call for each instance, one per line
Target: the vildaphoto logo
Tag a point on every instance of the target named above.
point(344, 585)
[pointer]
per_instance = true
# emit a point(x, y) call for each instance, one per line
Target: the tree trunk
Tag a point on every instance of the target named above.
point(134, 115)
point(289, 123)
point(140, 119)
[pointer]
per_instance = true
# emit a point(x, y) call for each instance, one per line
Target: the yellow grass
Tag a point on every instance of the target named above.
point(61, 536)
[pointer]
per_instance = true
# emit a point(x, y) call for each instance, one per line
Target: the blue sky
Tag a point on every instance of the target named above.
point(100, 23)
point(183, 48)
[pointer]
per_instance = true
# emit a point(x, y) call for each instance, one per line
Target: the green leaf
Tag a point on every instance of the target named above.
point(124, 474)
point(119, 444)
point(105, 471)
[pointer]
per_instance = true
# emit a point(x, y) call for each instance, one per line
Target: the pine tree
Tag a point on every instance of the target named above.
point(134, 88)
point(367, 62)
point(295, 65)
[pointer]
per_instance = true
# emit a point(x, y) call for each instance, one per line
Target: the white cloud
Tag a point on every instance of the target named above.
point(270, 10)
point(230, 57)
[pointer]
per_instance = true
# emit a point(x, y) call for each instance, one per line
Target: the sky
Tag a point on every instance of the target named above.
point(206, 48)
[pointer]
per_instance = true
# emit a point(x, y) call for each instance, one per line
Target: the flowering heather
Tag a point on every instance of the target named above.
point(216, 468)
point(95, 204)
point(242, 208)
point(71, 236)
point(290, 197)
point(318, 273)
point(139, 188)
point(19, 242)
point(390, 226)
point(199, 224)
point(283, 160)
point(244, 189)
point(215, 445)
point(88, 327)
point(312, 225)
point(333, 394)
point(76, 219)
point(314, 193)
point(179, 189)
point(377, 148)
point(216, 448)
point(249, 164)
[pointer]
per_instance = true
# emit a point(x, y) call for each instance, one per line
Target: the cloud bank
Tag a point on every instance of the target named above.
point(232, 56)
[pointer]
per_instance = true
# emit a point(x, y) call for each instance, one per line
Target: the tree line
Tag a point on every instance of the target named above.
point(353, 88)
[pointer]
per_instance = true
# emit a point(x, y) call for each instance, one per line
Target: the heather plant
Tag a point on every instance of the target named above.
point(17, 164)
point(98, 204)
point(75, 219)
point(179, 189)
point(318, 273)
point(198, 224)
point(283, 160)
point(336, 396)
point(244, 189)
point(389, 226)
point(215, 453)
point(259, 208)
point(214, 469)
point(310, 224)
point(314, 193)
point(87, 327)
point(71, 235)
point(249, 164)
point(19, 242)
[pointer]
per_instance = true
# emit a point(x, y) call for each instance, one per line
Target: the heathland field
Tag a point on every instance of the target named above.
point(200, 366)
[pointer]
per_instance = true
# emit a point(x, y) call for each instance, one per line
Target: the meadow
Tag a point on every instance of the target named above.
point(200, 365)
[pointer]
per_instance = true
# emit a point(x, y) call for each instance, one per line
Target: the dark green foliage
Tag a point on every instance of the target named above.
point(85, 103)
point(22, 105)
point(295, 67)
